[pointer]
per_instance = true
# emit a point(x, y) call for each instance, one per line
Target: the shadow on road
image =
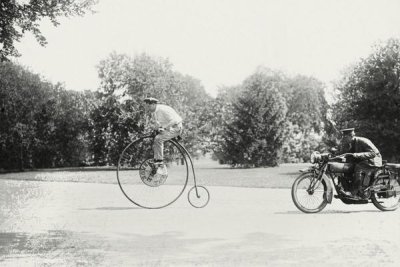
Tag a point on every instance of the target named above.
point(113, 208)
point(68, 248)
point(289, 173)
point(65, 248)
point(328, 212)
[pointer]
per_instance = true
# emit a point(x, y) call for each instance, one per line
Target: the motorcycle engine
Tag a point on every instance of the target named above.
point(345, 180)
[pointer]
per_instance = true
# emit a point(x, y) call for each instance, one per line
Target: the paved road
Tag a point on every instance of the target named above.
point(77, 224)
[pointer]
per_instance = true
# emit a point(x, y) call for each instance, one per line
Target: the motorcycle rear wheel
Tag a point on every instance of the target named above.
point(306, 200)
point(381, 200)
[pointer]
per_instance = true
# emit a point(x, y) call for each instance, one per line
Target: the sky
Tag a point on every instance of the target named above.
point(219, 42)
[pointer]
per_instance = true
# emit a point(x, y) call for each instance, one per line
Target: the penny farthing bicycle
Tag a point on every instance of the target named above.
point(149, 188)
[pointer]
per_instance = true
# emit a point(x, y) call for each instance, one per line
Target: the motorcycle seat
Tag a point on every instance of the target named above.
point(392, 165)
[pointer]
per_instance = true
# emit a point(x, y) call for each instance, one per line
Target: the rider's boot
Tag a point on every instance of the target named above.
point(154, 167)
point(356, 192)
point(352, 195)
point(355, 195)
point(161, 170)
point(158, 167)
point(344, 193)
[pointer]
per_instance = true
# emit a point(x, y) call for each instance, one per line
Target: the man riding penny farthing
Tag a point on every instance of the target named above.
point(153, 169)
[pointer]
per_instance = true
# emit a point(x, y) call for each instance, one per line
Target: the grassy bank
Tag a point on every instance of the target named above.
point(207, 172)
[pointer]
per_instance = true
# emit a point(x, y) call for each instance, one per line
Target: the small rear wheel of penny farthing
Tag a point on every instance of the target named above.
point(147, 184)
point(198, 198)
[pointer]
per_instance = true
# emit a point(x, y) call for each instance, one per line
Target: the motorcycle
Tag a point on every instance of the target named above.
point(314, 188)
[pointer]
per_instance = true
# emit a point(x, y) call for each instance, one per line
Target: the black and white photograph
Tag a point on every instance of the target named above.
point(207, 133)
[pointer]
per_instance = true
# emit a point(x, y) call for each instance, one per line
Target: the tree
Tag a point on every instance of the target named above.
point(307, 115)
point(41, 124)
point(255, 135)
point(307, 106)
point(16, 19)
point(21, 94)
point(218, 116)
point(125, 82)
point(369, 98)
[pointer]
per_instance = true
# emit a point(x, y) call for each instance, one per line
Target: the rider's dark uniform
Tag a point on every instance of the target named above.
point(366, 157)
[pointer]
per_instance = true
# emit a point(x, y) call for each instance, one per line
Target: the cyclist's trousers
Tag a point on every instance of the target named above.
point(158, 145)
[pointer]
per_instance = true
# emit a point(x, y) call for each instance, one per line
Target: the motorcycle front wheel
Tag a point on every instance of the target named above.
point(308, 194)
point(387, 197)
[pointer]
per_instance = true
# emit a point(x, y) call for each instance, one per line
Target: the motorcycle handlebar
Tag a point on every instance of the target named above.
point(339, 157)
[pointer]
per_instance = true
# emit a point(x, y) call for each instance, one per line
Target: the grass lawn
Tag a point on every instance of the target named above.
point(207, 173)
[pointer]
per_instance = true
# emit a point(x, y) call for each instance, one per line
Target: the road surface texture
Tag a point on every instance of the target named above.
point(88, 224)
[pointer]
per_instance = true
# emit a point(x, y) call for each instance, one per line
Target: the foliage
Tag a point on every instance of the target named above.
point(267, 119)
point(255, 135)
point(369, 98)
point(41, 125)
point(306, 114)
point(300, 143)
point(16, 19)
point(307, 106)
point(218, 115)
point(125, 82)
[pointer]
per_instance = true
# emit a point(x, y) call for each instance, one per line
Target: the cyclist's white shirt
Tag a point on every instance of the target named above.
point(165, 116)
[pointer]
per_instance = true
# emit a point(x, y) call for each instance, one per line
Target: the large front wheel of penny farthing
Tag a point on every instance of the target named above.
point(147, 185)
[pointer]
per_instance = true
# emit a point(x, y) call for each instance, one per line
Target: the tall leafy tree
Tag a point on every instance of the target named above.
point(19, 17)
point(307, 113)
point(369, 98)
point(41, 124)
point(22, 93)
point(218, 116)
point(126, 81)
point(255, 135)
point(307, 106)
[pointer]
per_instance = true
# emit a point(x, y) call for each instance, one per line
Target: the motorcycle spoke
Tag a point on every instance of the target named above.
point(391, 202)
point(310, 199)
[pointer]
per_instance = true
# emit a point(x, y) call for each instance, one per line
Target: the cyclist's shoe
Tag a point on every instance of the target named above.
point(156, 167)
point(162, 170)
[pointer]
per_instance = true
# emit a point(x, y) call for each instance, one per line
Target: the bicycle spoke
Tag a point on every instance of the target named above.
point(145, 187)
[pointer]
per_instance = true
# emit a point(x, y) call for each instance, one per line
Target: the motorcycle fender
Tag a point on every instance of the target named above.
point(329, 189)
point(328, 194)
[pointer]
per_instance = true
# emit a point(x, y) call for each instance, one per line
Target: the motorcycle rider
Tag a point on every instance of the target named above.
point(366, 157)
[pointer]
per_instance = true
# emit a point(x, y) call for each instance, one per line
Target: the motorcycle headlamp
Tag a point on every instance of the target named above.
point(315, 157)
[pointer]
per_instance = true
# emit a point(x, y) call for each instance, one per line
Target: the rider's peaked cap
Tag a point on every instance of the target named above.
point(347, 131)
point(150, 100)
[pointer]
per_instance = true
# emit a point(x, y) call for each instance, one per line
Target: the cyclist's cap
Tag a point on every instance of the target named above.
point(347, 131)
point(150, 100)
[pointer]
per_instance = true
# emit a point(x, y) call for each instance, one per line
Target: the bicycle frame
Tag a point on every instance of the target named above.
point(176, 142)
point(200, 192)
point(191, 162)
point(137, 139)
